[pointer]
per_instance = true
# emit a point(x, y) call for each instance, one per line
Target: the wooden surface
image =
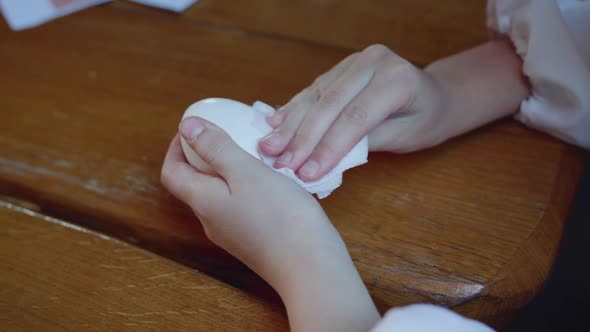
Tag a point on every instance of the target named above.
point(55, 276)
point(420, 30)
point(90, 103)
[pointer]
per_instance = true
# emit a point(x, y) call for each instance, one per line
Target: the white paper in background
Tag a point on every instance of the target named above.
point(25, 14)
point(174, 5)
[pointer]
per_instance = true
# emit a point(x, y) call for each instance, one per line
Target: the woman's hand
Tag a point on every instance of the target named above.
point(373, 92)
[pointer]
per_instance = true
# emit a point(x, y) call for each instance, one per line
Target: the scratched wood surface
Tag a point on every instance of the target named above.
point(421, 31)
point(90, 103)
point(55, 276)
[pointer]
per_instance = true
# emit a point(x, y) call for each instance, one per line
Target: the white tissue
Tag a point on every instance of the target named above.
point(327, 184)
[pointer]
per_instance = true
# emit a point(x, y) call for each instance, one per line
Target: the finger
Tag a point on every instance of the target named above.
point(287, 119)
point(387, 93)
point(278, 118)
point(276, 142)
point(304, 98)
point(186, 183)
point(216, 148)
point(325, 111)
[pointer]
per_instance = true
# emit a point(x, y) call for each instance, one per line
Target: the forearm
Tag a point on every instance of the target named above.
point(324, 292)
point(479, 86)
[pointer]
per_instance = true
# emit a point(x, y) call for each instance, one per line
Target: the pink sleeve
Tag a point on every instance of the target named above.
point(427, 318)
point(552, 39)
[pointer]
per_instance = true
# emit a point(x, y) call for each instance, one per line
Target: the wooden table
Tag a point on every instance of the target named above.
point(90, 102)
point(57, 276)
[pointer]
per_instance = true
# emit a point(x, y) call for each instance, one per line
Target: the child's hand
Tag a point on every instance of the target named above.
point(373, 92)
point(256, 214)
point(273, 226)
point(399, 106)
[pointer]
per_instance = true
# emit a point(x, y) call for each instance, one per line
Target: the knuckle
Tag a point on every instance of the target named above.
point(405, 75)
point(318, 80)
point(315, 93)
point(348, 58)
point(376, 51)
point(300, 140)
point(355, 115)
point(299, 97)
point(400, 70)
point(285, 109)
point(326, 150)
point(330, 98)
point(212, 144)
point(289, 125)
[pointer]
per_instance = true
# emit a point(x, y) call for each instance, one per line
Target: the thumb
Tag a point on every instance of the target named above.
point(215, 148)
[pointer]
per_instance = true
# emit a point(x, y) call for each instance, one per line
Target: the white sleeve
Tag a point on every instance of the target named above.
point(427, 318)
point(551, 36)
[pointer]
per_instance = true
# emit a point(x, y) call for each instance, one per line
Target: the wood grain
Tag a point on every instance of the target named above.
point(91, 102)
point(55, 276)
point(421, 31)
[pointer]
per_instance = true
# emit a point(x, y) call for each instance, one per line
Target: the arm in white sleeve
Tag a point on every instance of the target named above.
point(552, 39)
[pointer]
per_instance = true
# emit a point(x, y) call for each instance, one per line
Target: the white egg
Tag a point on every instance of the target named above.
point(244, 124)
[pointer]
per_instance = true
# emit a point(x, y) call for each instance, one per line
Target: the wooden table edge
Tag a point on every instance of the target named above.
point(516, 284)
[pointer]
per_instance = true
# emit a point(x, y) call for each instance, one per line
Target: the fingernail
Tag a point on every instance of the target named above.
point(309, 169)
point(273, 139)
point(284, 159)
point(190, 128)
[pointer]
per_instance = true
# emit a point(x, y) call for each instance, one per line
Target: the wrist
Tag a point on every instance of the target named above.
point(322, 289)
point(296, 256)
point(431, 107)
point(478, 86)
point(280, 251)
point(440, 106)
